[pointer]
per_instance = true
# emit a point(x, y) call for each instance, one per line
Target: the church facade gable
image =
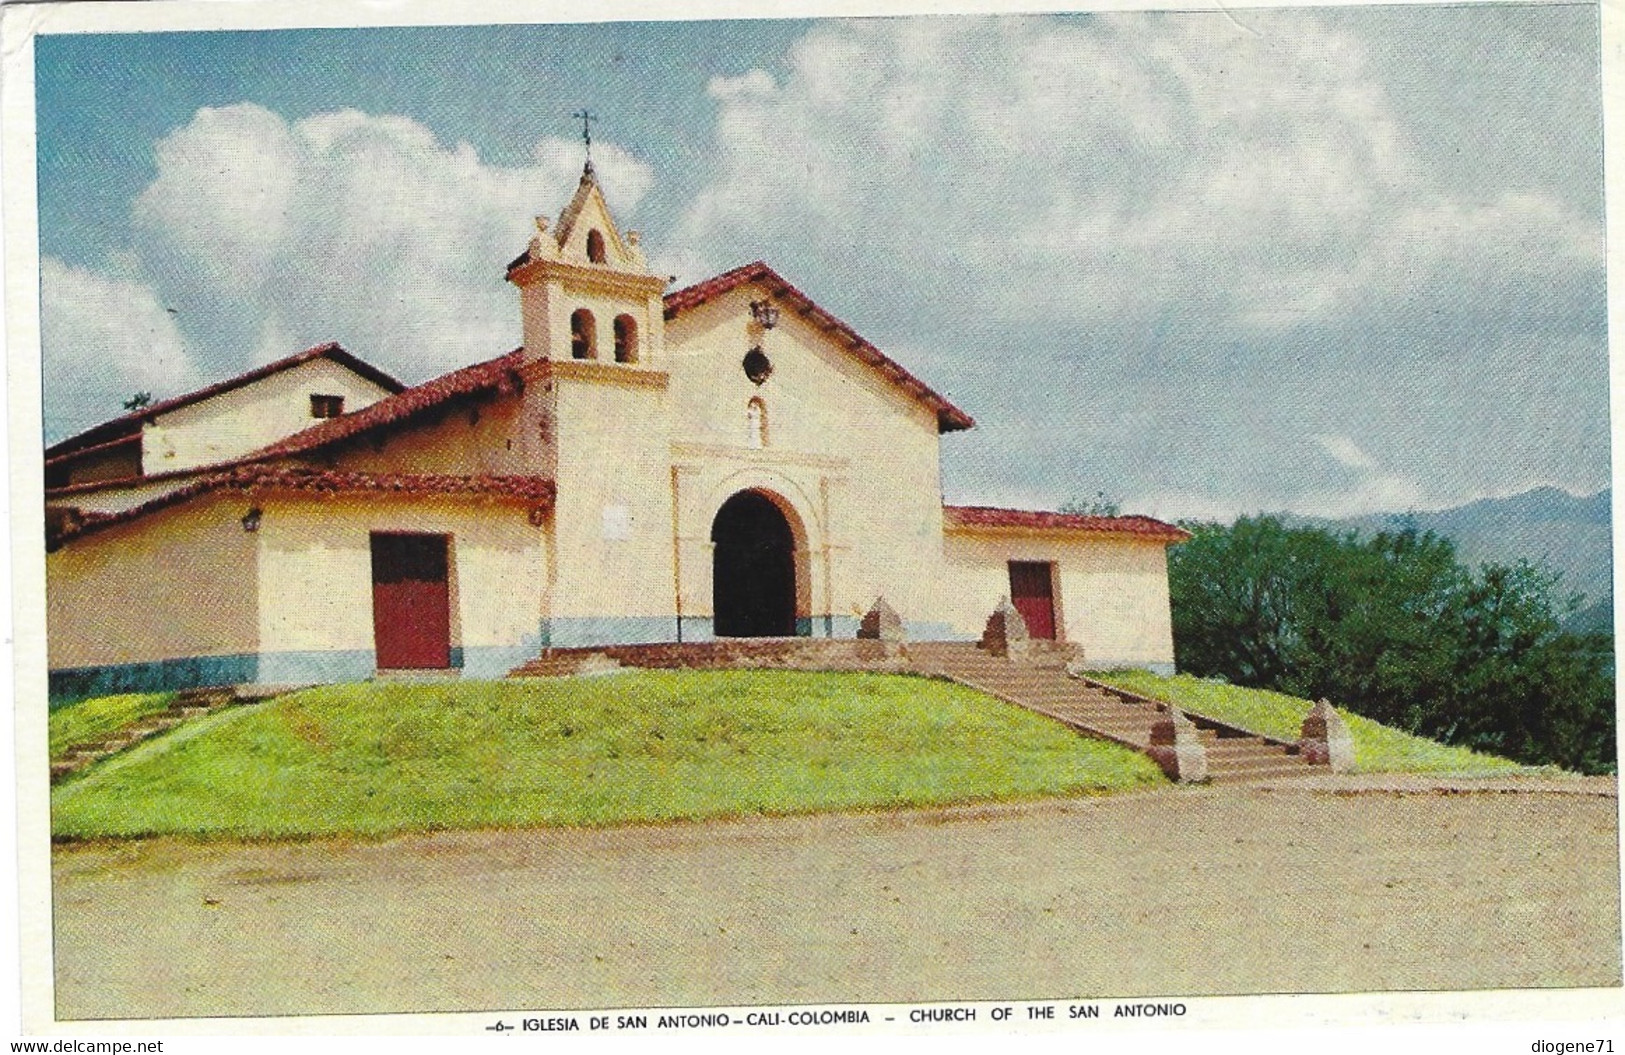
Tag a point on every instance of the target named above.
point(814, 391)
point(849, 458)
point(587, 233)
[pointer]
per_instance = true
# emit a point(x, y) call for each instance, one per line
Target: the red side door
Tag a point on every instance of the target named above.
point(411, 601)
point(1033, 594)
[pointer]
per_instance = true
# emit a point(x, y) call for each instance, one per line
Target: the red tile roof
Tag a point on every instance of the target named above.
point(95, 448)
point(499, 374)
point(1036, 520)
point(270, 478)
point(138, 481)
point(949, 417)
point(130, 423)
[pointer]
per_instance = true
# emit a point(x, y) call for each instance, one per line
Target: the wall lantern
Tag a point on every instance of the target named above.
point(765, 312)
point(251, 519)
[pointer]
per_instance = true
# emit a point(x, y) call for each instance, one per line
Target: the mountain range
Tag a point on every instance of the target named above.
point(1569, 534)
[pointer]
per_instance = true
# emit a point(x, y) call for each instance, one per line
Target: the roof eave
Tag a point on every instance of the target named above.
point(1168, 538)
point(262, 480)
point(1004, 521)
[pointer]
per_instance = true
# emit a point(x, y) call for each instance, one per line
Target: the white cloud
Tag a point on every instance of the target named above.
point(1373, 493)
point(1102, 167)
point(1373, 489)
point(353, 227)
point(1346, 452)
point(1185, 505)
point(108, 339)
point(1164, 250)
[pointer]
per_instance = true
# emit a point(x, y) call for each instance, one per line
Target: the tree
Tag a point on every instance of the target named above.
point(139, 401)
point(1396, 628)
point(1099, 506)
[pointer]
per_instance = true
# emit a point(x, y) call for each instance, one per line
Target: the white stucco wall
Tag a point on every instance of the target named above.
point(612, 520)
point(1111, 592)
point(182, 583)
point(462, 440)
point(247, 418)
point(294, 596)
point(315, 585)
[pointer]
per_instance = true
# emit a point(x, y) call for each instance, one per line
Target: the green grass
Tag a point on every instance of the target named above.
point(90, 720)
point(1377, 748)
point(639, 746)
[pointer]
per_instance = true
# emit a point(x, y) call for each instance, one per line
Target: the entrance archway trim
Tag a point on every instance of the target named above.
point(792, 499)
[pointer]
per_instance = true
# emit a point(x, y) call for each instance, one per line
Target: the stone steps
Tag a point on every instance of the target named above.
point(1254, 749)
point(1096, 714)
point(795, 653)
point(187, 705)
point(1242, 774)
point(1046, 688)
point(546, 668)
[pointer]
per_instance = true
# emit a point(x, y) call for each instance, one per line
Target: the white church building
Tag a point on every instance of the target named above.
point(725, 460)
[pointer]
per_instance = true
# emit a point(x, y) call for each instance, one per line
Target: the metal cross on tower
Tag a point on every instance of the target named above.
point(586, 117)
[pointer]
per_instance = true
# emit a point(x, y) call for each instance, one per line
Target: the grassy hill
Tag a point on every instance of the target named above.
point(89, 720)
point(637, 746)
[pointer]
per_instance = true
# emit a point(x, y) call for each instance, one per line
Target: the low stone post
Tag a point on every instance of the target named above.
point(1006, 633)
point(595, 664)
point(881, 623)
point(1325, 740)
point(880, 635)
point(1177, 749)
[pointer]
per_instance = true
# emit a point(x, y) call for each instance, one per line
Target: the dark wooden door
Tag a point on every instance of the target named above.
point(753, 569)
point(411, 601)
point(1032, 592)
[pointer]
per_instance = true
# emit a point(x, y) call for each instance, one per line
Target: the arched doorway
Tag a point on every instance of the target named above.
point(753, 569)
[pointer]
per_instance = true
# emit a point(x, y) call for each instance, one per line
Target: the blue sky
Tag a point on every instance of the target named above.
point(1330, 261)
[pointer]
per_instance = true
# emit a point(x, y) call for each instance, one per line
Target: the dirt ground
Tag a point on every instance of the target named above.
point(1321, 887)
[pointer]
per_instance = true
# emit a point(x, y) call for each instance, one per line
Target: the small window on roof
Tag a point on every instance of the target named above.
point(326, 406)
point(595, 246)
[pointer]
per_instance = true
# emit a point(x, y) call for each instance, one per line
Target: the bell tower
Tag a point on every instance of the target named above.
point(585, 290)
point(596, 421)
